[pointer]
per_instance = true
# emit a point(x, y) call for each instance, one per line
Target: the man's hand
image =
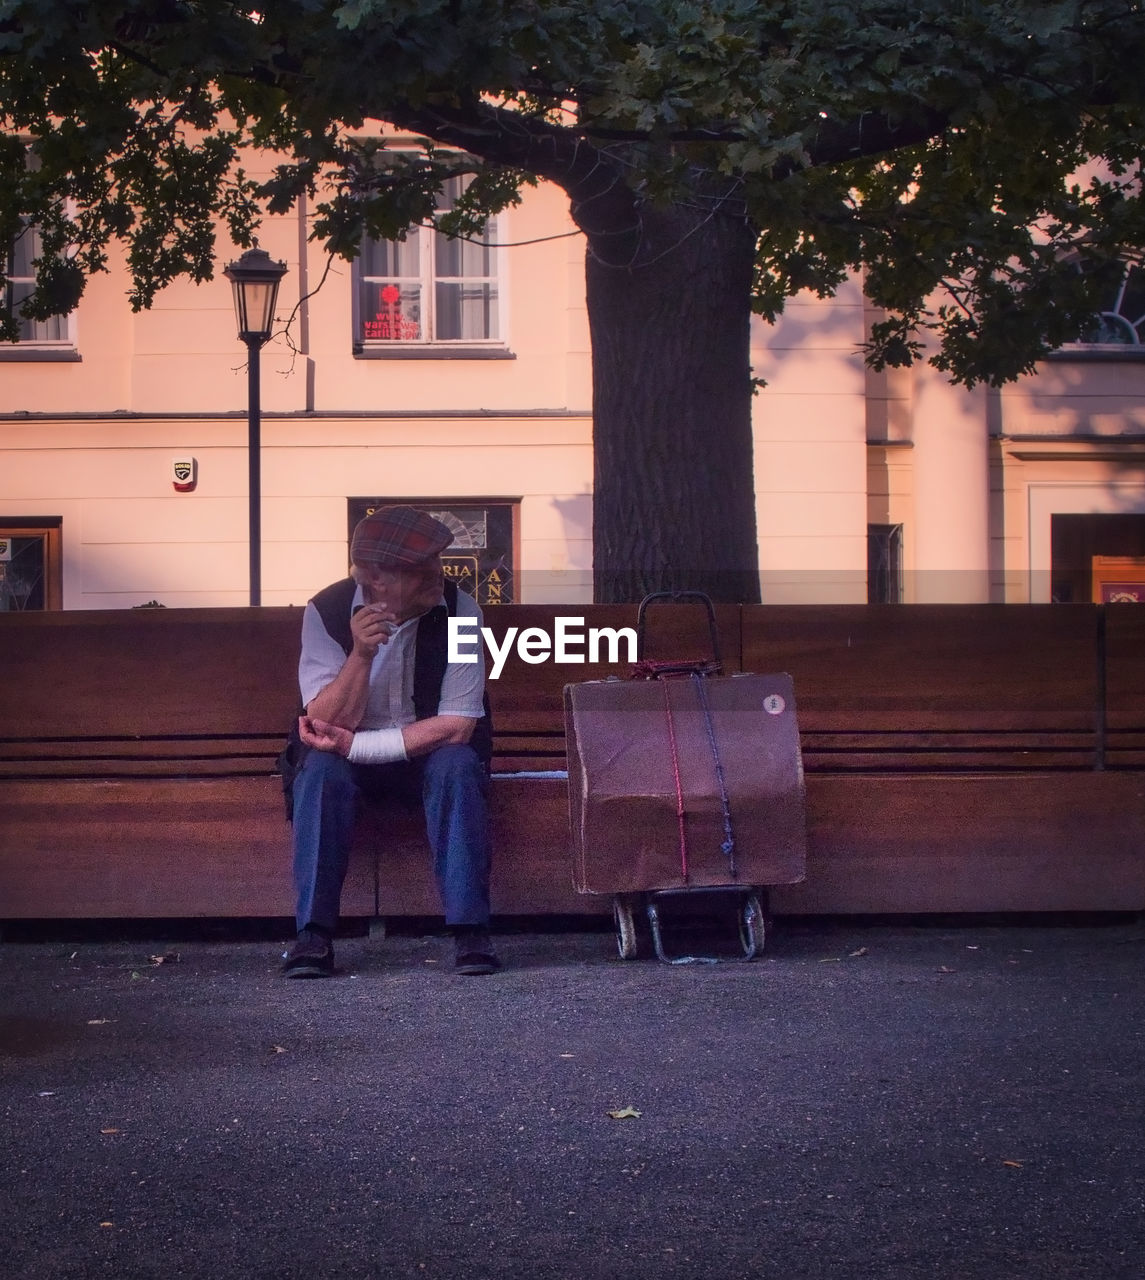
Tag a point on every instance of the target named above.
point(323, 736)
point(371, 626)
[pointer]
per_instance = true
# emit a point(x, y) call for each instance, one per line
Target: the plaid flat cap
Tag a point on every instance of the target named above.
point(398, 538)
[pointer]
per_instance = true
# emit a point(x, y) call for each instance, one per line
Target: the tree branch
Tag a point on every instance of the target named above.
point(558, 153)
point(872, 135)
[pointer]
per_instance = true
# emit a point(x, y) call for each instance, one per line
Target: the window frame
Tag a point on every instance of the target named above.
point(50, 530)
point(34, 348)
point(1111, 351)
point(428, 281)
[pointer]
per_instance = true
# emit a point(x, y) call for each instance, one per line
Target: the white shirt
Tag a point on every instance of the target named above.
point(390, 700)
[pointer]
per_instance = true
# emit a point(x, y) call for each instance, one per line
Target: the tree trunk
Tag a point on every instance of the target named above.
point(674, 500)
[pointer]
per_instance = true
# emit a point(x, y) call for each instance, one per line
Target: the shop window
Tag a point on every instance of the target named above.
point(30, 564)
point(482, 557)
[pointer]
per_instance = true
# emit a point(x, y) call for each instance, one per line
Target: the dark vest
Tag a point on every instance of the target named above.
point(431, 648)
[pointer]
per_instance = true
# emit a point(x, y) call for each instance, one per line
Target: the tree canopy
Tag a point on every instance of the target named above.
point(927, 142)
point(966, 156)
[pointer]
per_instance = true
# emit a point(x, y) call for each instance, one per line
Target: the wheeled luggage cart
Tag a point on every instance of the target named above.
point(683, 781)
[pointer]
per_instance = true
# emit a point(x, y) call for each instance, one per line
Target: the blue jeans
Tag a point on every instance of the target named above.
point(453, 789)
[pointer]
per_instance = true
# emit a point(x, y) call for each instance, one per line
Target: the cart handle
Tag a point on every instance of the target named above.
point(678, 597)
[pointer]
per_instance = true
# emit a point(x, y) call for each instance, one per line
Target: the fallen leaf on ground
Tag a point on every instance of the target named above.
point(1012, 1164)
point(862, 951)
point(277, 1048)
point(111, 1131)
point(625, 1113)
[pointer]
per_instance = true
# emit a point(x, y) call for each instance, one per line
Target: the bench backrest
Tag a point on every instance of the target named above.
point(188, 692)
point(157, 692)
point(950, 687)
point(196, 692)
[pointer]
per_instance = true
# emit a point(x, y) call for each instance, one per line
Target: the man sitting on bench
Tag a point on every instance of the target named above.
point(386, 715)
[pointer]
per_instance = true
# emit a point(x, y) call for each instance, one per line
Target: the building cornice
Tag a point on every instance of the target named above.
point(298, 415)
point(1073, 448)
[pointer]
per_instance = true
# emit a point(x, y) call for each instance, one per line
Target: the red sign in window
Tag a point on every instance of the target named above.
point(389, 323)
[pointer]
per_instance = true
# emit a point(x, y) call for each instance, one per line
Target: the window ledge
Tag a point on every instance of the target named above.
point(18, 352)
point(421, 351)
point(1099, 355)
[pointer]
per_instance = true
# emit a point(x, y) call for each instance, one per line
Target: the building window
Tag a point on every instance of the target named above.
point(884, 564)
point(30, 564)
point(1123, 322)
point(22, 252)
point(429, 289)
point(1119, 329)
point(483, 555)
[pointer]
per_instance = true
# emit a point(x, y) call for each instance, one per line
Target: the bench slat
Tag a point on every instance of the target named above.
point(1025, 669)
point(168, 672)
point(939, 762)
point(961, 751)
point(1023, 842)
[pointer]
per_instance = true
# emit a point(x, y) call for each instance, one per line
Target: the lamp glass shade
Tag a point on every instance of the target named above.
point(254, 280)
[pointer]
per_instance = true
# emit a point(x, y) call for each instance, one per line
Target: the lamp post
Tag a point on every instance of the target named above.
point(254, 279)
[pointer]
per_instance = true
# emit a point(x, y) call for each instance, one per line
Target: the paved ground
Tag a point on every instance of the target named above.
point(870, 1099)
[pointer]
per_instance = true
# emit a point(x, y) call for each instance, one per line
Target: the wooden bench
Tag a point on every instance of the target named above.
point(965, 758)
point(958, 758)
point(137, 771)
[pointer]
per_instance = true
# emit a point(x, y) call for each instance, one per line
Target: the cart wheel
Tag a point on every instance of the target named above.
point(625, 929)
point(753, 927)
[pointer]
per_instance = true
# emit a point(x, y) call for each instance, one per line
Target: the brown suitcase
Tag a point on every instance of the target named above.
point(685, 782)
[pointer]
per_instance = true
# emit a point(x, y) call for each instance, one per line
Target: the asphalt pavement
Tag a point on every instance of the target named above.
point(870, 1098)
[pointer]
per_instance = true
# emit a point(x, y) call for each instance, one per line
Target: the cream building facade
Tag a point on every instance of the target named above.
point(466, 385)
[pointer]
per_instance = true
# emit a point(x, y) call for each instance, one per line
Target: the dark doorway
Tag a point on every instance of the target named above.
point(884, 564)
point(1076, 539)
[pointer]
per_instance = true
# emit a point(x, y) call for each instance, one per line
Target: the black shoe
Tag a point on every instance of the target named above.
point(474, 951)
point(311, 956)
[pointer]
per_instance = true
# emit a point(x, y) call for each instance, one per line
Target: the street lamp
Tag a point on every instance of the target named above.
point(254, 279)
